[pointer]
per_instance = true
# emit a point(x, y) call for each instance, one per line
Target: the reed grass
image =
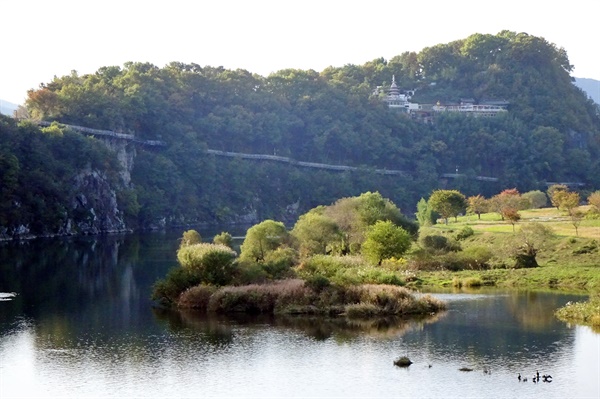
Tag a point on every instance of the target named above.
point(294, 296)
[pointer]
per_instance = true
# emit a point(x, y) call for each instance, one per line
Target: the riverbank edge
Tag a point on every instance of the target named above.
point(576, 279)
point(583, 313)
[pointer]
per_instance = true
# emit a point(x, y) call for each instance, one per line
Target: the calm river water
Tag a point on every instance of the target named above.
point(82, 326)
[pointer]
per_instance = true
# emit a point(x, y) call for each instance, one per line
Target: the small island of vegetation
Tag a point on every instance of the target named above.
point(360, 256)
point(337, 260)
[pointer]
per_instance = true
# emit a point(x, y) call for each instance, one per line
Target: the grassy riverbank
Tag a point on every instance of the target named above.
point(568, 259)
point(565, 261)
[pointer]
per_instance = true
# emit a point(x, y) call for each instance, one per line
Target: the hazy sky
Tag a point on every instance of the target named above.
point(41, 39)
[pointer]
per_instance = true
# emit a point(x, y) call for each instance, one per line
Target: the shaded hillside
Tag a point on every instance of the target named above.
point(55, 181)
point(551, 131)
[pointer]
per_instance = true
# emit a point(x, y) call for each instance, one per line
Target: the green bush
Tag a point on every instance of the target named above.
point(347, 270)
point(177, 280)
point(464, 233)
point(362, 310)
point(439, 243)
point(317, 283)
point(388, 300)
point(378, 276)
point(587, 313)
point(467, 282)
point(249, 272)
point(536, 198)
point(224, 238)
point(480, 255)
point(329, 266)
point(472, 258)
point(213, 263)
point(190, 237)
point(278, 264)
point(456, 261)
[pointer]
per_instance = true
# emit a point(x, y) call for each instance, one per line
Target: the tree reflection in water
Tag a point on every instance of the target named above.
point(341, 329)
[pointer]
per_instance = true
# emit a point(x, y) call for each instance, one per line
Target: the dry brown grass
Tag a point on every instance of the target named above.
point(261, 298)
point(293, 296)
point(196, 297)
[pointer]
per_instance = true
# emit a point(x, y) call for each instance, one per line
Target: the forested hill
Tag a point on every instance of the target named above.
point(551, 131)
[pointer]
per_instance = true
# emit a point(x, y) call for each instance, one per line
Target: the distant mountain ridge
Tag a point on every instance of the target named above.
point(7, 108)
point(590, 86)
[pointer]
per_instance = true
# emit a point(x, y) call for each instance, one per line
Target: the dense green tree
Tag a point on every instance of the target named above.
point(385, 240)
point(353, 215)
point(211, 263)
point(537, 198)
point(190, 237)
point(554, 192)
point(425, 215)
point(223, 238)
point(448, 203)
point(316, 232)
point(262, 239)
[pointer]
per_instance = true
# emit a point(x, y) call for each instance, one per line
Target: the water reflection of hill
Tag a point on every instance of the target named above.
point(83, 280)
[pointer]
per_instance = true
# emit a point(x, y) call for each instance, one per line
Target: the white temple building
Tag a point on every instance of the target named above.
point(396, 99)
point(400, 100)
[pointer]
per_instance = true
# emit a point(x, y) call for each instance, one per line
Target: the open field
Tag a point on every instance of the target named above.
point(559, 221)
point(566, 261)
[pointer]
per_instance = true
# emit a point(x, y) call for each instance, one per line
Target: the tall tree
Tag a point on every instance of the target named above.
point(262, 239)
point(385, 240)
point(569, 201)
point(448, 203)
point(477, 204)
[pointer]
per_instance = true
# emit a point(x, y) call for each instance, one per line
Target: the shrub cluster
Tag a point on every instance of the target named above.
point(177, 280)
point(349, 270)
point(465, 233)
point(435, 242)
point(472, 258)
point(212, 263)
